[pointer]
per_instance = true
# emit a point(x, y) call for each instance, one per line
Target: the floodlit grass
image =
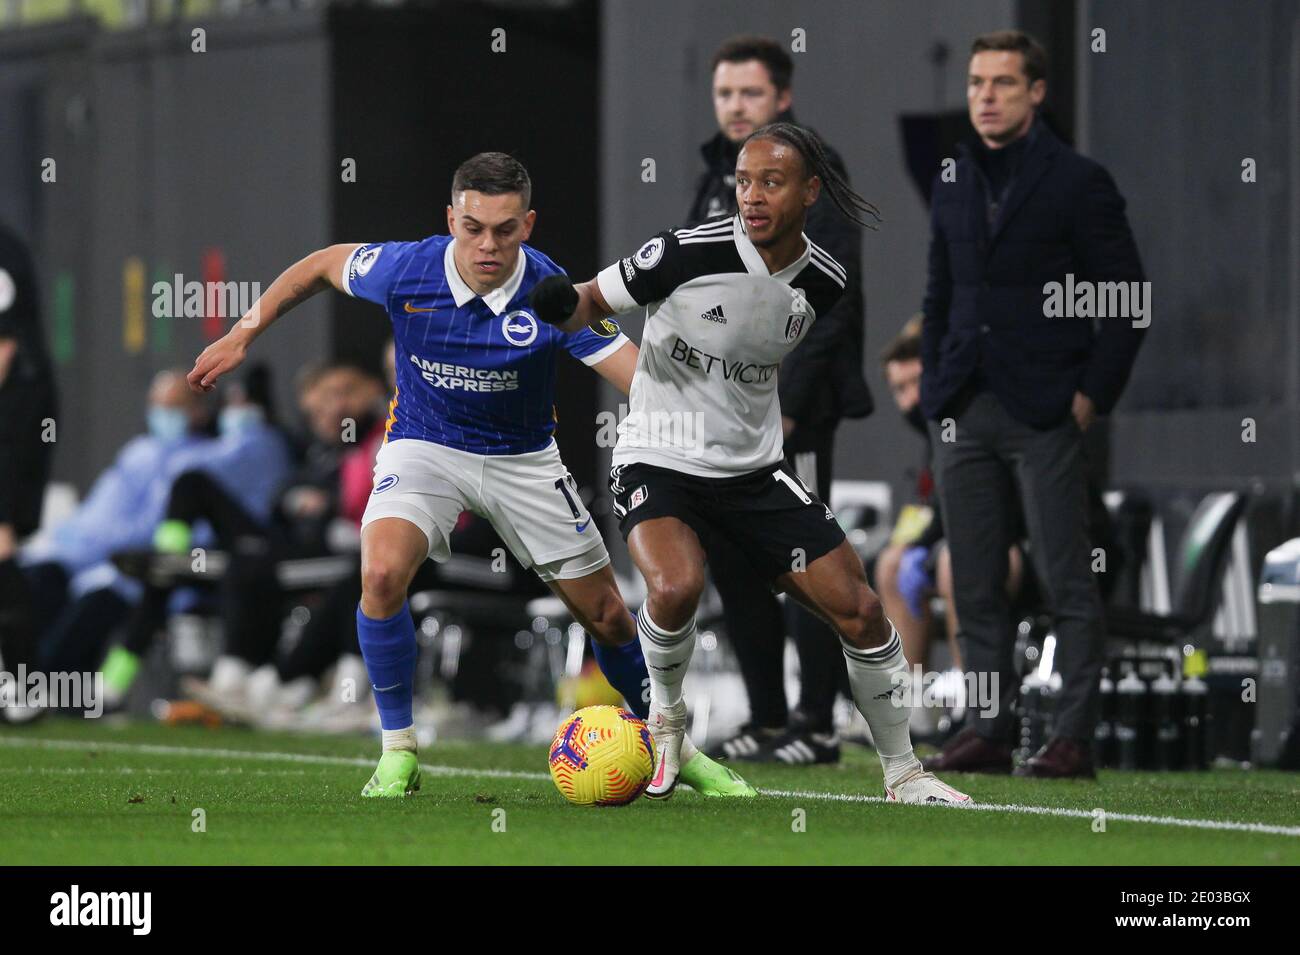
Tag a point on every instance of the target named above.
point(75, 792)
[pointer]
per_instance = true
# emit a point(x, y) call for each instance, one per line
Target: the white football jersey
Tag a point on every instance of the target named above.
point(704, 398)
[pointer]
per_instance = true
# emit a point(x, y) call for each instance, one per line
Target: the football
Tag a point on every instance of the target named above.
point(602, 756)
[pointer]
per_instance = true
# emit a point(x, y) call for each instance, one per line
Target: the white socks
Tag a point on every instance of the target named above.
point(667, 655)
point(399, 739)
point(872, 677)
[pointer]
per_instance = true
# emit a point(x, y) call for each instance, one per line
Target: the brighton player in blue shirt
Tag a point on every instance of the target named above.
point(469, 428)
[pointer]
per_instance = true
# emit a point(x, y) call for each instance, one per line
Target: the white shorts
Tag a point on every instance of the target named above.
point(530, 499)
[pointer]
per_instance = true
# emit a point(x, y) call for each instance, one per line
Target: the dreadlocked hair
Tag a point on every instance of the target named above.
point(817, 163)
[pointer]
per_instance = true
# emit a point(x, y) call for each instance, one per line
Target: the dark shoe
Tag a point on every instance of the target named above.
point(753, 744)
point(1061, 758)
point(805, 748)
point(968, 752)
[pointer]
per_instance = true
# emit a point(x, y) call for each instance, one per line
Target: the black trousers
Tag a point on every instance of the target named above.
point(253, 604)
point(252, 600)
point(994, 455)
point(758, 625)
point(73, 634)
point(44, 629)
point(17, 616)
point(195, 496)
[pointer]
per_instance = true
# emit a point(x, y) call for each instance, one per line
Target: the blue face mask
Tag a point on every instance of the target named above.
point(167, 424)
point(236, 419)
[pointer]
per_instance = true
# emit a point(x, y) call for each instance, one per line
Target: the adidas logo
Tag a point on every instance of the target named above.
point(714, 315)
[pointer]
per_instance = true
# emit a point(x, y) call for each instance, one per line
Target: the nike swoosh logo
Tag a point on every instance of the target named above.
point(659, 776)
point(411, 310)
point(583, 526)
point(384, 689)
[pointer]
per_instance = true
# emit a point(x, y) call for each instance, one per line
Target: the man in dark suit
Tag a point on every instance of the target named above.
point(1010, 385)
point(820, 382)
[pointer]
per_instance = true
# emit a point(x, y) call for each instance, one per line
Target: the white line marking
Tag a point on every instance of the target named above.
point(155, 749)
point(140, 771)
point(1262, 827)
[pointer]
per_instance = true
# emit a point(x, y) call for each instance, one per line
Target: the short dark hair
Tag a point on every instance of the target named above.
point(742, 49)
point(1015, 41)
point(493, 174)
point(906, 345)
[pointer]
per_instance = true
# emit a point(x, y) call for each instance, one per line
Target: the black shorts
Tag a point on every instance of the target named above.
point(770, 514)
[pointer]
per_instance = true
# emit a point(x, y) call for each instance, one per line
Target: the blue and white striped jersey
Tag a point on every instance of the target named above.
point(475, 373)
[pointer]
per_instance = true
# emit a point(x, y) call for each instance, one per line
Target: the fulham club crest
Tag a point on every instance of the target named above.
point(793, 326)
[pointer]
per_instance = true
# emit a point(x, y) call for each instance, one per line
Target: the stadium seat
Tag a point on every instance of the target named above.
point(163, 570)
point(1203, 555)
point(1133, 517)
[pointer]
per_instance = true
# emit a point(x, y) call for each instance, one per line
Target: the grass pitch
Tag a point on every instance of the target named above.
point(77, 792)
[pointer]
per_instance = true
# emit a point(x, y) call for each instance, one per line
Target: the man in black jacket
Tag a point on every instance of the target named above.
point(1010, 383)
point(820, 382)
point(27, 404)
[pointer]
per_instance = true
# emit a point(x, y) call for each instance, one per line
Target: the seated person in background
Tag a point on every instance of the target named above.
point(914, 566)
point(76, 597)
point(344, 409)
point(356, 472)
point(231, 490)
point(317, 514)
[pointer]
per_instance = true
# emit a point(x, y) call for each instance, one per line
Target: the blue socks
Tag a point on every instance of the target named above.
point(388, 646)
point(624, 668)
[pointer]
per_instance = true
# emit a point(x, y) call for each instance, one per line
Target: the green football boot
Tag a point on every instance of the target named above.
point(713, 779)
point(397, 775)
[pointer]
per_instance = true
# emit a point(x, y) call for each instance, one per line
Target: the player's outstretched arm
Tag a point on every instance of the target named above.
point(299, 282)
point(557, 301)
point(619, 367)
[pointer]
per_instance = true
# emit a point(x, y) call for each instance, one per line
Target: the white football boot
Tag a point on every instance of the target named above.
point(919, 787)
point(668, 727)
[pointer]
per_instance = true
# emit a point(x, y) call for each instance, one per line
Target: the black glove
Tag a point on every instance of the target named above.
point(554, 299)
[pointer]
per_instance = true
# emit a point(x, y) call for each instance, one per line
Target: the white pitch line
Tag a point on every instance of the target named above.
point(140, 771)
point(155, 749)
point(1262, 827)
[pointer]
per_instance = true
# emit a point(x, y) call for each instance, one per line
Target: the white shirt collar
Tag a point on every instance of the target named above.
point(498, 298)
point(754, 262)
